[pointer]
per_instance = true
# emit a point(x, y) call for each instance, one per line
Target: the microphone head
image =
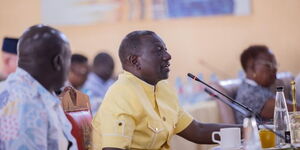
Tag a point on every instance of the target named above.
point(192, 76)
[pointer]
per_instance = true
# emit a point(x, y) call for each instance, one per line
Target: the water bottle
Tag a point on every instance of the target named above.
point(281, 118)
point(252, 140)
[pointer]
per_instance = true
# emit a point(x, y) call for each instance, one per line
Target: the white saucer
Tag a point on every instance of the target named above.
point(233, 148)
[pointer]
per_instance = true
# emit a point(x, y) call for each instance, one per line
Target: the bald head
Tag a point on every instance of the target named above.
point(132, 44)
point(44, 52)
point(39, 39)
point(144, 54)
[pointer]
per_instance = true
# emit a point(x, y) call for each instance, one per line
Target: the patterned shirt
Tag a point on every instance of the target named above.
point(253, 96)
point(96, 88)
point(31, 118)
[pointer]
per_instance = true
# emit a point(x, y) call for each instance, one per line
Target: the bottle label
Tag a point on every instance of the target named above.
point(280, 109)
point(287, 136)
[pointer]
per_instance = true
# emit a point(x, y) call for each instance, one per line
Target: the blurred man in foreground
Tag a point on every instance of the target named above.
point(31, 117)
point(140, 110)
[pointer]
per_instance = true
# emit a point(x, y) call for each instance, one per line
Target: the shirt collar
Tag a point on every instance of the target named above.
point(23, 76)
point(251, 82)
point(148, 87)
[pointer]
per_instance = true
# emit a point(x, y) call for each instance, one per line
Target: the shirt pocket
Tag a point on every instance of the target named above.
point(158, 133)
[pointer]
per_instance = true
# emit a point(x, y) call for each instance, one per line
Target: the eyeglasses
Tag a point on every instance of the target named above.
point(268, 64)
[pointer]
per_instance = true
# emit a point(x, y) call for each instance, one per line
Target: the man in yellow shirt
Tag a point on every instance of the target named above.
point(141, 110)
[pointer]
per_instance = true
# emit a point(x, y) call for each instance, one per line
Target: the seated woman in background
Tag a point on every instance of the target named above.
point(255, 92)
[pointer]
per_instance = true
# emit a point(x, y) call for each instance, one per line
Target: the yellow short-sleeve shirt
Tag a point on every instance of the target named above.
point(137, 115)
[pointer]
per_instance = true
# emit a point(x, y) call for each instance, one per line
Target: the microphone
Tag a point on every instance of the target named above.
point(234, 104)
point(229, 98)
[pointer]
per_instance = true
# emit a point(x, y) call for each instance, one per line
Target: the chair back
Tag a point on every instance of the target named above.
point(229, 88)
point(76, 106)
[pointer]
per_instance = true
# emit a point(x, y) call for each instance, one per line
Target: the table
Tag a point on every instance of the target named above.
point(286, 148)
point(204, 111)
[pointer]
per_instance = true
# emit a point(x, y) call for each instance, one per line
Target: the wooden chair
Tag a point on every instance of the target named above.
point(76, 106)
point(228, 87)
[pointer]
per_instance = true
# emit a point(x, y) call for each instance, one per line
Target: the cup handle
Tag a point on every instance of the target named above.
point(213, 137)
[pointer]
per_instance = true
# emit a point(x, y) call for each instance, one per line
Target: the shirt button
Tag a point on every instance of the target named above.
point(164, 118)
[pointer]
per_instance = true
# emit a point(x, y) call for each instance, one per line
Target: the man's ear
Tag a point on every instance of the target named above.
point(5, 60)
point(133, 59)
point(57, 62)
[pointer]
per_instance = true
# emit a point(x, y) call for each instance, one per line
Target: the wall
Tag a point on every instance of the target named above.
point(206, 45)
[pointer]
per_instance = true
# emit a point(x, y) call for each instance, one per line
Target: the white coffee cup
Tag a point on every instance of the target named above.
point(230, 138)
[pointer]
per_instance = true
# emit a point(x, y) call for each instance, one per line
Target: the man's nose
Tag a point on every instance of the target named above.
point(167, 56)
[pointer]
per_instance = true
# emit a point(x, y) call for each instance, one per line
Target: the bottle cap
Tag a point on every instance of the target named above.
point(265, 126)
point(279, 88)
